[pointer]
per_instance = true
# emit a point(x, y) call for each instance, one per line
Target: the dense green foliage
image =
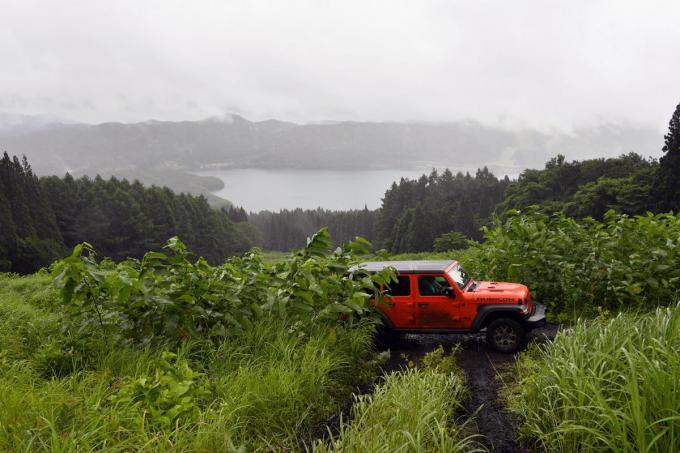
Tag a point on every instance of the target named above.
point(606, 385)
point(169, 352)
point(176, 296)
point(577, 267)
point(587, 188)
point(40, 218)
point(413, 411)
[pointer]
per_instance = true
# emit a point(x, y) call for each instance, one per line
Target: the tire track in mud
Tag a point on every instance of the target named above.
point(493, 422)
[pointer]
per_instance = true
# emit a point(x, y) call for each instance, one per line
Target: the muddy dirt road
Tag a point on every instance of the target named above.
point(481, 366)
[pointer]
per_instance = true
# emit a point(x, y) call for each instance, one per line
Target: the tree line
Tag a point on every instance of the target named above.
point(42, 218)
point(288, 229)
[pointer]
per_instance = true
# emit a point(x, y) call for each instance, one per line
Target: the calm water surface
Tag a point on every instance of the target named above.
point(258, 190)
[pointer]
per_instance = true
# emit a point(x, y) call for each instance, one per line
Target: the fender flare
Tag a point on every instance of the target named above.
point(484, 311)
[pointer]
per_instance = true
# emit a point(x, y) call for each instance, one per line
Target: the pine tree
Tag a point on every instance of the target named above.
point(668, 181)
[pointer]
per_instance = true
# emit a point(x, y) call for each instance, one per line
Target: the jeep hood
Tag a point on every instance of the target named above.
point(501, 292)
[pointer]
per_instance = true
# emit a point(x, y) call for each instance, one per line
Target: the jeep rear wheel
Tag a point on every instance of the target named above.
point(384, 337)
point(505, 335)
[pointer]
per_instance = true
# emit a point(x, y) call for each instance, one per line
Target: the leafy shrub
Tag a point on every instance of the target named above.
point(60, 357)
point(173, 296)
point(574, 267)
point(608, 385)
point(171, 395)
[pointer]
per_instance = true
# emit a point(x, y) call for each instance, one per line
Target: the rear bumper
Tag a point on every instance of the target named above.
point(537, 317)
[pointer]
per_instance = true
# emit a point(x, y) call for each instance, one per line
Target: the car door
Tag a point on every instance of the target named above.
point(399, 305)
point(434, 308)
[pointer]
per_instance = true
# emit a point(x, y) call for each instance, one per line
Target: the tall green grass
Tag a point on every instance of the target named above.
point(607, 385)
point(262, 389)
point(412, 411)
point(25, 321)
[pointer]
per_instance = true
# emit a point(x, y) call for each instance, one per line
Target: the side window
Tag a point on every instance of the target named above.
point(400, 288)
point(432, 285)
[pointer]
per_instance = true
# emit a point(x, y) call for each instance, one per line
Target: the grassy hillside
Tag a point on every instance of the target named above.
point(262, 389)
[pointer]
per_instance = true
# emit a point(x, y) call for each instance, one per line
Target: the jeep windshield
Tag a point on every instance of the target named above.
point(459, 276)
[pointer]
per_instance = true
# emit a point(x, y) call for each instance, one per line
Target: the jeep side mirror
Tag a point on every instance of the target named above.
point(450, 293)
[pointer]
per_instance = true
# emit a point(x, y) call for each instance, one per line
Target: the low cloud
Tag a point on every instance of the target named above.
point(530, 63)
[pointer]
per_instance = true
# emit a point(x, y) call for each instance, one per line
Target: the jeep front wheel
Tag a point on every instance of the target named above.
point(505, 335)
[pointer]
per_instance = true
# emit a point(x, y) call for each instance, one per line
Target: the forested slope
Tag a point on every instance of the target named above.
point(41, 218)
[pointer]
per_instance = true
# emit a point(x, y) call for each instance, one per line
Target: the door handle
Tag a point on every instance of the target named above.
point(423, 304)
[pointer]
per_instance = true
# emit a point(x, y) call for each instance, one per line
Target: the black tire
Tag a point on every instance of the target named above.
point(505, 335)
point(384, 337)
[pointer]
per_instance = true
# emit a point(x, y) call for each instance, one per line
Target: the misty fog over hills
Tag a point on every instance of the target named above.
point(161, 152)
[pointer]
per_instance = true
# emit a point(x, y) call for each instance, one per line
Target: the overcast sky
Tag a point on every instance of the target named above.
point(527, 63)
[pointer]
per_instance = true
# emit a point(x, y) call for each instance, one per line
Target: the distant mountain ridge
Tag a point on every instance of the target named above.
point(17, 124)
point(166, 152)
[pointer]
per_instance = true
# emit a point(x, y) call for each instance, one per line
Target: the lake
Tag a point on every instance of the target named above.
point(258, 190)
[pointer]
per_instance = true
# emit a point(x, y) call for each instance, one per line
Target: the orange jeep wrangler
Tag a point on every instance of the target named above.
point(439, 297)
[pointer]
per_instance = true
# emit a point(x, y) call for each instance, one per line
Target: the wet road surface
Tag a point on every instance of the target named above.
point(481, 365)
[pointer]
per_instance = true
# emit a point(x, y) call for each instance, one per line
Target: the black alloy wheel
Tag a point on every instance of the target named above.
point(505, 335)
